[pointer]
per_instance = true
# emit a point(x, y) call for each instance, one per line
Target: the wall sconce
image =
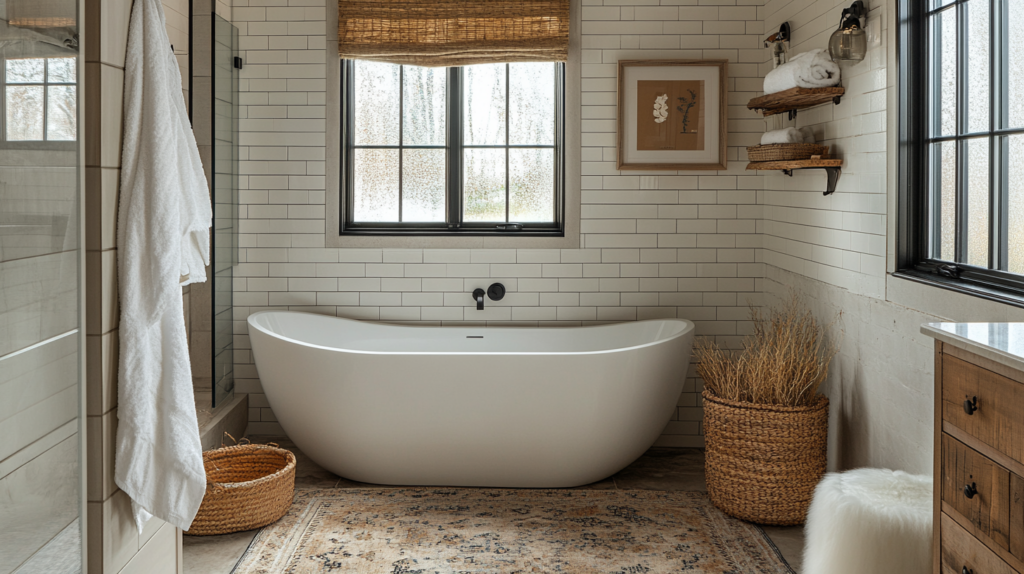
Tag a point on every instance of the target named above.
point(849, 42)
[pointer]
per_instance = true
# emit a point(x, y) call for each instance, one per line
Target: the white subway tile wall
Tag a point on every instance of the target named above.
point(832, 250)
point(838, 239)
point(115, 545)
point(657, 244)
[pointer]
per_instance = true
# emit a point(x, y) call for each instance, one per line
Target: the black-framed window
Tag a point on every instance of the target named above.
point(961, 118)
point(473, 150)
point(40, 102)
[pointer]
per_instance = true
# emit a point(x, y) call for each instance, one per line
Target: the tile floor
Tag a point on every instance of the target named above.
point(657, 469)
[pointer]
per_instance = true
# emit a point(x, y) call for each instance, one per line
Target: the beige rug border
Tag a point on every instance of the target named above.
point(334, 491)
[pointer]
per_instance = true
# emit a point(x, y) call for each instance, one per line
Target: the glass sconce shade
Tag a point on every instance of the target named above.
point(849, 42)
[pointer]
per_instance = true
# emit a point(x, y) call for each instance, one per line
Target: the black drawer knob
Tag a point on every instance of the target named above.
point(966, 571)
point(971, 405)
point(970, 490)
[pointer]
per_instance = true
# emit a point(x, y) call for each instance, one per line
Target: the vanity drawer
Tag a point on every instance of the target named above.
point(960, 552)
point(998, 420)
point(978, 489)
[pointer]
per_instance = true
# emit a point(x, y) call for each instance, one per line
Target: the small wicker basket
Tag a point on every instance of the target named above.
point(785, 152)
point(247, 486)
point(763, 461)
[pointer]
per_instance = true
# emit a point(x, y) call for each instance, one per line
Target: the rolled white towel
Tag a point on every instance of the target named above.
point(812, 69)
point(783, 136)
point(808, 135)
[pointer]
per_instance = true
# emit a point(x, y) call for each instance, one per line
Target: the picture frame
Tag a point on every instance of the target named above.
point(672, 115)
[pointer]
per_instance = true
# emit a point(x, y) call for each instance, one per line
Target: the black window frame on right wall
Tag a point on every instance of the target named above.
point(924, 236)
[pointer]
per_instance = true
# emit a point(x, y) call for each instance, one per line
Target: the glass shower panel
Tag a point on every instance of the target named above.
point(224, 188)
point(40, 287)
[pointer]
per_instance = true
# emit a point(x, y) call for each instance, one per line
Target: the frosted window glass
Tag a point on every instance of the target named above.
point(375, 183)
point(484, 185)
point(484, 104)
point(26, 70)
point(977, 201)
point(943, 38)
point(61, 113)
point(1016, 211)
point(376, 106)
point(531, 114)
point(24, 113)
point(400, 142)
point(531, 176)
point(424, 106)
point(1015, 61)
point(978, 54)
point(943, 157)
point(61, 70)
point(423, 185)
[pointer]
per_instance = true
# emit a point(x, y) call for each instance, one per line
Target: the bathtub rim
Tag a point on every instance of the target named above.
point(688, 329)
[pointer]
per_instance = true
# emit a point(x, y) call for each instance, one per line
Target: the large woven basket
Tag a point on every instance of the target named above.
point(785, 152)
point(247, 486)
point(763, 461)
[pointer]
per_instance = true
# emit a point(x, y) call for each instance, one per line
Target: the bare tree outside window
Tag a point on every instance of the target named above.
point(40, 99)
point(494, 161)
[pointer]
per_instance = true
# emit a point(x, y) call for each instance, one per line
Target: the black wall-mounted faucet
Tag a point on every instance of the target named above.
point(496, 292)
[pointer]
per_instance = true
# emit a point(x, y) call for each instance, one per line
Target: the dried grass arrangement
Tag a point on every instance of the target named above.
point(782, 363)
point(765, 425)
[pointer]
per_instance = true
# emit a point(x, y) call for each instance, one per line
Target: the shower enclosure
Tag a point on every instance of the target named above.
point(224, 187)
point(41, 289)
point(214, 108)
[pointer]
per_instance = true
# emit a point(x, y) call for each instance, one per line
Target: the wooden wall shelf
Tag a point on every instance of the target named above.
point(833, 168)
point(795, 99)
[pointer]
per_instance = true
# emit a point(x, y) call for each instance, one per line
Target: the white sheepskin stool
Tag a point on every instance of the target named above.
point(869, 520)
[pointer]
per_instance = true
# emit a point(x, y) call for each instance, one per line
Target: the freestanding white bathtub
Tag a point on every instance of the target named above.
point(456, 406)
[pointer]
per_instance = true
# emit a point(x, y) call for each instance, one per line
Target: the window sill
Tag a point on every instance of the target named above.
point(38, 145)
point(420, 233)
point(507, 240)
point(963, 287)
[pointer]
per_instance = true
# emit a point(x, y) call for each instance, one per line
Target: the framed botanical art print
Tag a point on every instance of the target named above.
point(672, 114)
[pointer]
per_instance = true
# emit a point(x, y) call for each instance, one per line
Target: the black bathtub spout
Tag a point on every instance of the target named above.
point(478, 294)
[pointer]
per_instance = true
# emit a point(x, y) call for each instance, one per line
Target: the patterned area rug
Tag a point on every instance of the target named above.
point(439, 530)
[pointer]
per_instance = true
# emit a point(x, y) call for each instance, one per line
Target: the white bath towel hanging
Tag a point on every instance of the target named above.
point(163, 242)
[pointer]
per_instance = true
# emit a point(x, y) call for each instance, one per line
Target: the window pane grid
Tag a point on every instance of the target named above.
point(520, 206)
point(943, 5)
point(39, 97)
point(977, 30)
point(417, 179)
point(968, 135)
point(961, 208)
point(507, 106)
point(500, 177)
point(401, 133)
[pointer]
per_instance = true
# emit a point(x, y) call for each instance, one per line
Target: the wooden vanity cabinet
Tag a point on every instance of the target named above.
point(979, 464)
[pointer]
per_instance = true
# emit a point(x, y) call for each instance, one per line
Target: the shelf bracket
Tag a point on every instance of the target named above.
point(833, 173)
point(792, 115)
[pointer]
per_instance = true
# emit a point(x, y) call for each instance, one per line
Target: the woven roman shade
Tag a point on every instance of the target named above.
point(454, 32)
